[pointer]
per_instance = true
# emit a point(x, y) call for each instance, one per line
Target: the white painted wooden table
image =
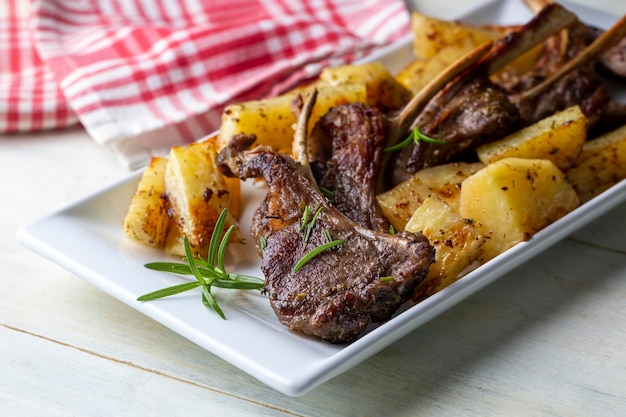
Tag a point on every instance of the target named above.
point(548, 339)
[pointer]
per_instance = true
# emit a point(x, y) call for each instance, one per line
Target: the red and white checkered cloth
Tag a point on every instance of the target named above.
point(143, 75)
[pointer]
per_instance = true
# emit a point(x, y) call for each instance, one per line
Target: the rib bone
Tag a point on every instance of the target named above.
point(446, 113)
point(604, 42)
point(494, 56)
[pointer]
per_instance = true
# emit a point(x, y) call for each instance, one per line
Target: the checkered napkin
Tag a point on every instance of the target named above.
point(143, 75)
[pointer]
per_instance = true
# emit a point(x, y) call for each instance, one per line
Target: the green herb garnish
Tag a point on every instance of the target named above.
point(327, 236)
point(415, 136)
point(317, 250)
point(328, 193)
point(208, 273)
point(306, 225)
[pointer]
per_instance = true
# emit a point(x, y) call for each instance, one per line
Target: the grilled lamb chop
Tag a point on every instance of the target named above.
point(471, 109)
point(612, 60)
point(345, 150)
point(338, 292)
point(566, 75)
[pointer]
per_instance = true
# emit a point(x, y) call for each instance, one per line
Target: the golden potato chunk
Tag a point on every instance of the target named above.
point(418, 73)
point(146, 220)
point(458, 244)
point(399, 203)
point(197, 191)
point(439, 43)
point(272, 120)
point(513, 198)
point(432, 35)
point(559, 138)
point(383, 90)
point(600, 165)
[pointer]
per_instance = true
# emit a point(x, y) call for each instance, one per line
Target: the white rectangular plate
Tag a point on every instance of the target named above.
point(87, 239)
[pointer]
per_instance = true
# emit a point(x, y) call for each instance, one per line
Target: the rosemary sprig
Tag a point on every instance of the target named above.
point(317, 250)
point(306, 225)
point(415, 136)
point(330, 196)
point(208, 273)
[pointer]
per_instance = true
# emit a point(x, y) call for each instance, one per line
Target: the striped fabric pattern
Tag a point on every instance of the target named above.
point(142, 75)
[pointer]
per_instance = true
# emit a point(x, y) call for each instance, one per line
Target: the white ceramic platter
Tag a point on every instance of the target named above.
point(87, 239)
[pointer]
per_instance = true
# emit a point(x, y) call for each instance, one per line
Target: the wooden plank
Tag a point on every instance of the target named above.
point(45, 377)
point(539, 328)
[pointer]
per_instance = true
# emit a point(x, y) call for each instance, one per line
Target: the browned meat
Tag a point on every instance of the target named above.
point(580, 86)
point(339, 292)
point(613, 60)
point(464, 115)
point(471, 109)
point(345, 149)
point(567, 74)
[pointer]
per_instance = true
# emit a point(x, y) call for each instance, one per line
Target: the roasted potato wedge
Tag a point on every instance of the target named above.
point(458, 244)
point(439, 43)
point(146, 220)
point(383, 90)
point(399, 203)
point(600, 165)
point(420, 72)
point(513, 198)
point(197, 191)
point(431, 36)
point(272, 120)
point(559, 138)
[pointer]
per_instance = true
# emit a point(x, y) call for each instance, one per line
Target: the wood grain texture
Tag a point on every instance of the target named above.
point(548, 339)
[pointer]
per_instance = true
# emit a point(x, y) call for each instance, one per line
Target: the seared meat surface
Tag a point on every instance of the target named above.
point(471, 109)
point(463, 115)
point(481, 105)
point(337, 293)
point(540, 93)
point(345, 150)
point(580, 86)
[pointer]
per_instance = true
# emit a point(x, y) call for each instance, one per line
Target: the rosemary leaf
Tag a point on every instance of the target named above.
point(310, 225)
point(315, 252)
point(237, 285)
point(166, 292)
point(328, 193)
point(399, 145)
point(222, 248)
point(246, 278)
point(416, 135)
point(207, 273)
point(192, 264)
point(214, 243)
point(210, 301)
point(304, 221)
point(182, 269)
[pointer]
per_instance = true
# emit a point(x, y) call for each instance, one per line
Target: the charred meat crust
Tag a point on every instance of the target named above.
point(339, 292)
point(345, 150)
